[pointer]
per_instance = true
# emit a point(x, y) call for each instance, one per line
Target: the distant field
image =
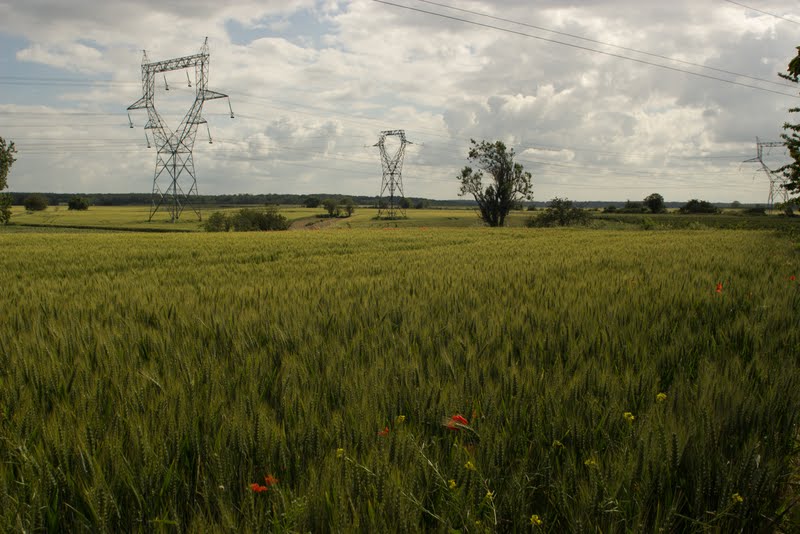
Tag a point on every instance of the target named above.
point(612, 381)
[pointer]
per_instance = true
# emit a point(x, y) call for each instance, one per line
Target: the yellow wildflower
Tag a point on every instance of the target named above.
point(557, 444)
point(736, 498)
point(469, 466)
point(489, 495)
point(661, 397)
point(536, 520)
point(400, 419)
point(452, 484)
point(590, 463)
point(339, 452)
point(629, 417)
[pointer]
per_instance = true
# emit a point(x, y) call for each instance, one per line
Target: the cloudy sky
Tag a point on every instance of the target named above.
point(602, 100)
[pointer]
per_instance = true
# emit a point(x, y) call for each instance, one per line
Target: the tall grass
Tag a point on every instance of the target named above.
point(146, 381)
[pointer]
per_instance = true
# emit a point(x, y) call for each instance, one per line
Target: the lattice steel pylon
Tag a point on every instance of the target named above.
point(776, 180)
point(174, 179)
point(392, 180)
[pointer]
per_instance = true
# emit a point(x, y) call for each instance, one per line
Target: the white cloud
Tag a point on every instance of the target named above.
point(316, 82)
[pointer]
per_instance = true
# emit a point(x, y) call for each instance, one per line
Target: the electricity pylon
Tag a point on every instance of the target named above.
point(392, 180)
point(174, 179)
point(776, 180)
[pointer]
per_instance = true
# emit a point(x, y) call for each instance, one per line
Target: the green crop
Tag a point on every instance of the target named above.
point(308, 381)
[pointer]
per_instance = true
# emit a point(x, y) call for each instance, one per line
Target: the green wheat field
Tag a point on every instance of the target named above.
point(610, 380)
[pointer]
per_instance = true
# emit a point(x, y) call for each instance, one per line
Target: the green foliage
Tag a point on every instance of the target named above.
point(217, 222)
point(7, 151)
point(655, 203)
point(756, 210)
point(791, 135)
point(698, 206)
point(5, 208)
point(421, 204)
point(349, 206)
point(311, 202)
point(148, 380)
point(331, 205)
point(247, 220)
point(405, 203)
point(510, 183)
point(35, 202)
point(559, 212)
point(78, 203)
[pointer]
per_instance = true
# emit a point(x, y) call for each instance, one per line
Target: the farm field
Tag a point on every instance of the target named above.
point(444, 379)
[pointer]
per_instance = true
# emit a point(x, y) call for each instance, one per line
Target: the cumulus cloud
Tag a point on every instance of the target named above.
point(314, 82)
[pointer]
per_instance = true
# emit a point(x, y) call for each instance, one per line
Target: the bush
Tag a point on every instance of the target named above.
point(758, 210)
point(247, 220)
point(35, 202)
point(78, 203)
point(699, 206)
point(610, 209)
point(217, 222)
point(559, 212)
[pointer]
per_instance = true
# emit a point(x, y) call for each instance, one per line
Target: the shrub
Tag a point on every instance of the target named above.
point(331, 205)
point(35, 202)
point(757, 210)
point(349, 206)
point(559, 212)
point(217, 222)
point(699, 206)
point(247, 220)
point(78, 203)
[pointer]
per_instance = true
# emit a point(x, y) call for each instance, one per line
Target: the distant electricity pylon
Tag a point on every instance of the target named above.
point(392, 175)
point(174, 161)
point(776, 181)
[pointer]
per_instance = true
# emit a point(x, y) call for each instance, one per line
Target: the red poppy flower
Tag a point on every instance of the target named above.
point(792, 278)
point(719, 287)
point(258, 488)
point(383, 433)
point(456, 420)
point(270, 480)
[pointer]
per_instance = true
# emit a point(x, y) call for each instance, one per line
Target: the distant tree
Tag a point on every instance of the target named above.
point(250, 220)
point(311, 202)
point(420, 204)
point(7, 151)
point(35, 202)
point(217, 222)
point(560, 212)
point(509, 183)
point(791, 137)
point(736, 204)
point(655, 203)
point(632, 206)
point(78, 203)
point(610, 209)
point(348, 206)
point(699, 206)
point(331, 205)
point(405, 203)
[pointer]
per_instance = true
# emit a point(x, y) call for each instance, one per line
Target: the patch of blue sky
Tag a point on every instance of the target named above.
point(26, 83)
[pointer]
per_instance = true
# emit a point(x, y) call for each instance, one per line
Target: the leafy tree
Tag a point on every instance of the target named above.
point(736, 204)
point(78, 203)
point(405, 203)
point(420, 204)
point(35, 202)
point(560, 212)
point(699, 206)
point(311, 202)
point(791, 136)
point(510, 183)
point(217, 222)
point(348, 205)
point(331, 205)
point(7, 158)
point(655, 203)
point(250, 220)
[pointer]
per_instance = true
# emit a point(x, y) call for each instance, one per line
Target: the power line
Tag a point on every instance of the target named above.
point(760, 11)
point(586, 48)
point(587, 39)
